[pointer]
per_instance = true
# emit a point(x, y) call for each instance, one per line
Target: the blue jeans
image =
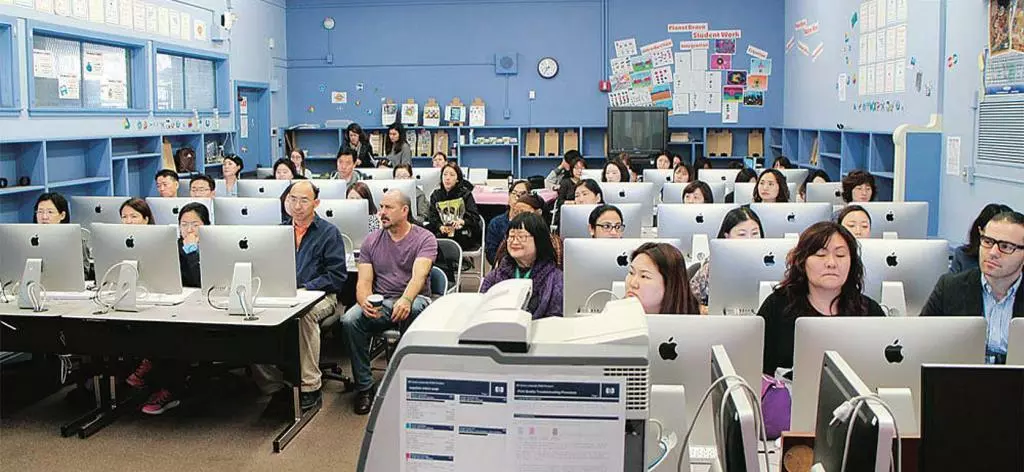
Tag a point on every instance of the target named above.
point(358, 330)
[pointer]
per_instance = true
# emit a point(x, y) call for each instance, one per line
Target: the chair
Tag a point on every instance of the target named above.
point(438, 288)
point(449, 251)
point(333, 370)
point(479, 269)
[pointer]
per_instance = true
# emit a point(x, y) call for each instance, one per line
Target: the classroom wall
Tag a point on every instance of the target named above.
point(249, 60)
point(435, 48)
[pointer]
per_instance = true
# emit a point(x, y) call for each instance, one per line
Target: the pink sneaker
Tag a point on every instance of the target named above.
point(135, 380)
point(160, 402)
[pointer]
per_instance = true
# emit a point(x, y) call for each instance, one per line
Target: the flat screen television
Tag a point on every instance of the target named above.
point(637, 131)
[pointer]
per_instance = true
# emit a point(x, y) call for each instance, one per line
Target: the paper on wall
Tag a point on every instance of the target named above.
point(682, 61)
point(757, 52)
point(869, 80)
point(900, 76)
point(901, 10)
point(477, 115)
point(731, 112)
point(880, 78)
point(890, 77)
point(952, 155)
point(881, 15)
point(6, 2)
point(890, 10)
point(811, 30)
point(69, 86)
point(152, 19)
point(411, 113)
point(139, 16)
point(713, 81)
point(620, 65)
point(687, 45)
point(339, 97)
point(663, 44)
point(719, 34)
point(841, 87)
point(93, 66)
point(199, 30)
point(45, 6)
point(661, 75)
point(862, 50)
point(890, 41)
point(661, 95)
point(186, 27)
point(163, 21)
point(640, 97)
point(761, 66)
point(872, 46)
point(662, 57)
point(757, 82)
point(62, 7)
point(625, 47)
point(697, 102)
point(864, 27)
point(681, 104)
point(43, 64)
point(686, 27)
point(872, 18)
point(243, 126)
point(108, 11)
point(862, 74)
point(713, 102)
point(80, 9)
point(174, 23)
point(817, 52)
point(901, 41)
point(114, 67)
point(699, 59)
point(618, 98)
point(125, 11)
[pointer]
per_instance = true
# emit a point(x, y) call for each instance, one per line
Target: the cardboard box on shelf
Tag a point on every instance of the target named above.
point(532, 142)
point(755, 143)
point(551, 142)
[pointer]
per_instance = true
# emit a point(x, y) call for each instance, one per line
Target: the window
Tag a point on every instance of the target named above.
point(8, 62)
point(185, 83)
point(68, 73)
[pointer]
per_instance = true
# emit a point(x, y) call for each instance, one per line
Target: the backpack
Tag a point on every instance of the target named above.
point(185, 159)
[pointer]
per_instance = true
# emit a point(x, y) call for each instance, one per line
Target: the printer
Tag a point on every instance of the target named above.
point(471, 343)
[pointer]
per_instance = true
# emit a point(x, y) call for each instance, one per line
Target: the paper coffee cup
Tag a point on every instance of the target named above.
point(375, 300)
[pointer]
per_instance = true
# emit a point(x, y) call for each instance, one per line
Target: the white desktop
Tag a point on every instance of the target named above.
point(632, 192)
point(378, 187)
point(909, 220)
point(743, 272)
point(427, 178)
point(1015, 350)
point(237, 258)
point(594, 264)
point(574, 220)
point(147, 259)
point(726, 176)
point(673, 193)
point(350, 217)
point(247, 211)
point(265, 188)
point(825, 192)
point(900, 274)
point(695, 224)
point(40, 260)
point(780, 219)
point(165, 210)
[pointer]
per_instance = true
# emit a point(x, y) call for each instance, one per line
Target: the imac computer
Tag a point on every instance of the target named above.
point(693, 222)
point(744, 192)
point(428, 179)
point(593, 174)
point(264, 188)
point(349, 216)
point(900, 273)
point(331, 189)
point(739, 268)
point(909, 220)
point(408, 188)
point(594, 264)
point(149, 254)
point(165, 210)
point(380, 173)
point(1015, 350)
point(887, 352)
point(640, 192)
point(680, 348)
point(971, 417)
point(873, 428)
point(248, 211)
point(734, 412)
point(658, 177)
point(825, 192)
point(673, 193)
point(779, 219)
point(797, 176)
point(88, 210)
point(222, 188)
point(574, 220)
point(235, 256)
point(41, 254)
point(725, 176)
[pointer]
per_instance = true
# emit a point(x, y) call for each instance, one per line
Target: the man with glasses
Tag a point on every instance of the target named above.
point(392, 289)
point(202, 186)
point(167, 183)
point(993, 290)
point(319, 265)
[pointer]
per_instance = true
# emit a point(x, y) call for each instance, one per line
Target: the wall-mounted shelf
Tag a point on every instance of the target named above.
point(838, 152)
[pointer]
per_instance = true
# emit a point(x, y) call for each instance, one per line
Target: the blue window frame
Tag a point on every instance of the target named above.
point(75, 71)
point(10, 98)
point(187, 80)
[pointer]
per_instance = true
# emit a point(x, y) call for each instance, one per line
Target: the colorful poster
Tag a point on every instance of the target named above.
point(731, 112)
point(620, 65)
point(661, 95)
point(736, 77)
point(625, 47)
point(1017, 29)
point(761, 66)
point(411, 113)
point(93, 66)
point(641, 63)
point(69, 86)
point(641, 79)
point(721, 61)
point(618, 98)
point(661, 75)
point(725, 46)
point(732, 93)
point(757, 82)
point(753, 98)
point(341, 98)
point(662, 57)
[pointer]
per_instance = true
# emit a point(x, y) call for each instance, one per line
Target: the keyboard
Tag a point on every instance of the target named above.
point(703, 454)
point(164, 299)
point(86, 295)
point(276, 302)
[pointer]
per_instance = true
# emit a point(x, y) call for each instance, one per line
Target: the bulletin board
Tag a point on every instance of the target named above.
point(867, 65)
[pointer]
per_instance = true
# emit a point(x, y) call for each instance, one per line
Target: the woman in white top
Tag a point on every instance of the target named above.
point(232, 170)
point(298, 158)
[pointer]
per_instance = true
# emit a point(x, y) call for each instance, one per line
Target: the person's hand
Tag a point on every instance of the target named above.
point(368, 310)
point(401, 309)
point(458, 224)
point(703, 309)
point(448, 229)
point(190, 238)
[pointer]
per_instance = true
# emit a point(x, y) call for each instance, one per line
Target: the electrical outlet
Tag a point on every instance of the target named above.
point(329, 59)
point(270, 43)
point(508, 113)
point(533, 94)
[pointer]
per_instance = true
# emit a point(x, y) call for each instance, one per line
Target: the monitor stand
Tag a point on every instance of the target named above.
point(32, 275)
point(764, 290)
point(126, 293)
point(699, 247)
point(894, 298)
point(901, 402)
point(241, 290)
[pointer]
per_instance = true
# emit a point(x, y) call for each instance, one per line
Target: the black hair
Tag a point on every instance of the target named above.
point(690, 174)
point(236, 159)
point(700, 163)
point(407, 167)
point(204, 178)
point(364, 191)
point(200, 210)
point(535, 225)
point(736, 165)
point(855, 179)
point(166, 173)
point(602, 209)
point(288, 190)
point(140, 206)
point(456, 168)
point(593, 186)
point(570, 155)
point(623, 171)
point(392, 148)
point(815, 173)
point(1012, 217)
point(287, 163)
point(986, 215)
point(363, 139)
point(851, 209)
point(745, 174)
point(780, 179)
point(702, 187)
point(58, 201)
point(302, 154)
point(346, 151)
point(737, 216)
point(786, 163)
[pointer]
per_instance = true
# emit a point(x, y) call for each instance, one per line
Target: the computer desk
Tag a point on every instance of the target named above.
point(192, 331)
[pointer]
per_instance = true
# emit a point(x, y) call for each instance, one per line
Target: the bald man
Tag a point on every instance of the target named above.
point(394, 262)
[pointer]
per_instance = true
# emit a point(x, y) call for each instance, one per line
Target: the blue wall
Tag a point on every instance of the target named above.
point(405, 49)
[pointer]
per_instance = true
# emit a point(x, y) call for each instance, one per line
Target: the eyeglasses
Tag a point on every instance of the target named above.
point(520, 237)
point(47, 213)
point(1005, 247)
point(298, 200)
point(200, 189)
point(192, 225)
point(613, 227)
point(517, 194)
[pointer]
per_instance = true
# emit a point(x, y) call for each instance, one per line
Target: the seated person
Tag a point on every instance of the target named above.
point(701, 163)
point(587, 192)
point(531, 256)
point(993, 290)
point(663, 160)
point(453, 213)
point(439, 160)
point(498, 226)
point(404, 172)
point(605, 222)
point(745, 175)
point(771, 187)
point(361, 191)
point(824, 276)
point(682, 174)
point(698, 192)
point(859, 187)
point(739, 223)
point(135, 211)
point(190, 218)
point(614, 171)
point(202, 186)
point(394, 262)
point(965, 257)
point(856, 219)
point(567, 186)
point(564, 169)
point(816, 176)
point(167, 183)
point(298, 158)
point(530, 204)
point(232, 170)
point(655, 279)
point(52, 208)
point(284, 169)
point(782, 162)
point(346, 165)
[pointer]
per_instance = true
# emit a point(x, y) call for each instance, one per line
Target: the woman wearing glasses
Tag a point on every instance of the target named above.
point(606, 223)
point(530, 256)
point(498, 226)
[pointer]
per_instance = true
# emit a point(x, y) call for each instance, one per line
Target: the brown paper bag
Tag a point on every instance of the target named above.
point(441, 142)
point(551, 142)
point(532, 142)
point(570, 141)
point(755, 143)
point(168, 155)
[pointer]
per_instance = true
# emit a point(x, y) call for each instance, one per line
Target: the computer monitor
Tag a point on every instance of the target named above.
point(887, 352)
point(908, 219)
point(917, 263)
point(248, 211)
point(349, 216)
point(680, 348)
point(673, 193)
point(184, 187)
point(594, 264)
point(264, 172)
point(631, 192)
point(594, 174)
point(269, 249)
point(658, 177)
point(797, 176)
point(222, 188)
point(428, 178)
point(88, 210)
point(735, 416)
point(743, 192)
point(825, 192)
point(574, 220)
point(682, 221)
point(165, 210)
point(738, 266)
point(971, 417)
point(408, 188)
point(726, 176)
point(48, 254)
point(1015, 350)
point(264, 188)
point(637, 130)
point(154, 248)
point(781, 218)
point(874, 429)
point(382, 173)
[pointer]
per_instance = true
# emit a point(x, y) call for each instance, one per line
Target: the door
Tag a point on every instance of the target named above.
point(252, 123)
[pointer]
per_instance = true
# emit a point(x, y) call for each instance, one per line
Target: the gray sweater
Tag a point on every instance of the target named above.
point(402, 157)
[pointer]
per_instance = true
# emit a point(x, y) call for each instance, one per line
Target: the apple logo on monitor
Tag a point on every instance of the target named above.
point(130, 242)
point(386, 190)
point(890, 216)
point(622, 260)
point(329, 213)
point(667, 350)
point(791, 217)
point(262, 190)
point(245, 211)
point(622, 194)
point(839, 193)
point(243, 244)
point(34, 240)
point(891, 260)
point(174, 210)
point(700, 218)
point(894, 352)
point(769, 259)
point(98, 209)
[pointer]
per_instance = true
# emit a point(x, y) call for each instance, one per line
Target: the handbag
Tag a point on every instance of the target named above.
point(776, 406)
point(185, 160)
